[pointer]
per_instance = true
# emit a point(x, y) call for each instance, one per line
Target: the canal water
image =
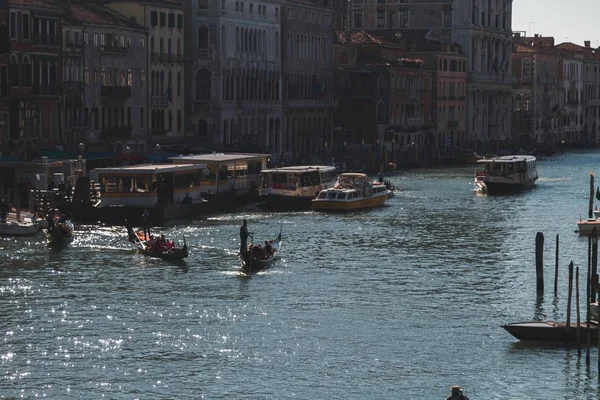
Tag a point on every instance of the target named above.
point(398, 302)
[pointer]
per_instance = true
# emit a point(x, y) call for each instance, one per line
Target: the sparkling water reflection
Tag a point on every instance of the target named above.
point(408, 298)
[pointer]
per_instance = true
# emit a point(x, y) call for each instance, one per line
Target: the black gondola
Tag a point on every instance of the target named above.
point(138, 238)
point(60, 234)
point(251, 262)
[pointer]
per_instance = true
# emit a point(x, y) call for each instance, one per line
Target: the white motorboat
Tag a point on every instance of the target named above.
point(506, 174)
point(26, 225)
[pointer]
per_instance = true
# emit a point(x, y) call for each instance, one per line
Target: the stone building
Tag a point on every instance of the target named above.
point(164, 45)
point(5, 100)
point(105, 79)
point(483, 30)
point(35, 77)
point(308, 82)
point(234, 74)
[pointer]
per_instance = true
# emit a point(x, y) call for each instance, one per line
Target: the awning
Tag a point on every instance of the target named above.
point(57, 155)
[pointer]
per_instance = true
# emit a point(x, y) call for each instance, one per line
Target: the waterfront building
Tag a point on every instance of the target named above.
point(234, 74)
point(164, 46)
point(308, 82)
point(35, 78)
point(591, 95)
point(105, 80)
point(5, 100)
point(385, 108)
point(537, 98)
point(483, 30)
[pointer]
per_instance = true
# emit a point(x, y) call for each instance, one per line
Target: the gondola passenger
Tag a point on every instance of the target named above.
point(268, 248)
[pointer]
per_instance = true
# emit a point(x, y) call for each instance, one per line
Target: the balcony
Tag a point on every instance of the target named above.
point(414, 96)
point(453, 124)
point(202, 53)
point(47, 90)
point(201, 106)
point(117, 132)
point(73, 86)
point(159, 101)
point(158, 57)
point(114, 50)
point(115, 92)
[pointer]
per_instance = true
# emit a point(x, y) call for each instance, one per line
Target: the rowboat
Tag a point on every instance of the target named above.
point(550, 331)
point(142, 246)
point(60, 234)
point(252, 262)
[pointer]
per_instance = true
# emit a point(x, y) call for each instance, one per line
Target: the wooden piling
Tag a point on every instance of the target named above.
point(594, 275)
point(556, 269)
point(591, 207)
point(568, 325)
point(539, 262)
point(587, 301)
point(577, 307)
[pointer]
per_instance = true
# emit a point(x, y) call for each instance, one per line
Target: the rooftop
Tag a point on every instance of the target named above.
point(150, 168)
point(220, 157)
point(48, 4)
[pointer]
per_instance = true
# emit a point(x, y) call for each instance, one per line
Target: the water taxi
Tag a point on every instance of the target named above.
point(506, 174)
point(294, 188)
point(352, 191)
point(167, 191)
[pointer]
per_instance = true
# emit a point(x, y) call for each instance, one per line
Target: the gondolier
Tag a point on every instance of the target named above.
point(146, 224)
point(244, 237)
point(457, 394)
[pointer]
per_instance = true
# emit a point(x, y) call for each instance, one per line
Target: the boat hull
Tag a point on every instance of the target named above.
point(59, 237)
point(507, 188)
point(250, 264)
point(176, 254)
point(549, 331)
point(351, 205)
point(586, 227)
point(18, 229)
point(279, 202)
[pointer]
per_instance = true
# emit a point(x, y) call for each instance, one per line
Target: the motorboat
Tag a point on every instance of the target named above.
point(352, 191)
point(506, 174)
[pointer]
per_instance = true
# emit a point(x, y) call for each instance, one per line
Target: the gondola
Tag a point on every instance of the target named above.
point(60, 234)
point(138, 238)
point(250, 263)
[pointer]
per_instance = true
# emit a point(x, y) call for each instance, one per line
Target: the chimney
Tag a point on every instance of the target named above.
point(587, 44)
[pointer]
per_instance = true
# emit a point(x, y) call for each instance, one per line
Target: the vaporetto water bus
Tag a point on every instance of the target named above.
point(294, 188)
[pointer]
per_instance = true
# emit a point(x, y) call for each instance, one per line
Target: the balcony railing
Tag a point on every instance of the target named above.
point(201, 106)
point(117, 132)
point(115, 92)
point(158, 57)
point(47, 90)
point(114, 50)
point(202, 53)
point(160, 101)
point(73, 86)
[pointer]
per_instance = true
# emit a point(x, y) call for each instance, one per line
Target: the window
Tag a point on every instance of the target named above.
point(223, 5)
point(86, 76)
point(179, 21)
point(178, 84)
point(163, 19)
point(447, 19)
point(276, 12)
point(171, 20)
point(237, 6)
point(526, 68)
point(380, 19)
point(202, 4)
point(142, 117)
point(223, 38)
point(142, 77)
point(242, 6)
point(85, 38)
point(153, 18)
point(358, 19)
point(251, 8)
point(25, 26)
point(13, 25)
point(128, 42)
point(143, 43)
point(102, 39)
point(129, 78)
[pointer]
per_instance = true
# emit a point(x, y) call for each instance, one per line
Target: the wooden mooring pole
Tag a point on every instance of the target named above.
point(539, 262)
point(594, 275)
point(556, 269)
point(587, 301)
point(577, 307)
point(568, 325)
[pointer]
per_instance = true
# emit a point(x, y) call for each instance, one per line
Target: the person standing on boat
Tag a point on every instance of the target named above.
point(4, 208)
point(244, 237)
point(380, 176)
point(457, 394)
point(146, 224)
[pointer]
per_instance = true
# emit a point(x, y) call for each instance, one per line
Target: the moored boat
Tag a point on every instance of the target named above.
point(294, 188)
point(257, 258)
point(550, 331)
point(506, 174)
point(586, 226)
point(24, 225)
point(352, 191)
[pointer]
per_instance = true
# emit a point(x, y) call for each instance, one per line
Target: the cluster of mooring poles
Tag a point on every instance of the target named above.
point(592, 286)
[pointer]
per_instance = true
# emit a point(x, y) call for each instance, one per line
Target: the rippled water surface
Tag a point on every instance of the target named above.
point(397, 302)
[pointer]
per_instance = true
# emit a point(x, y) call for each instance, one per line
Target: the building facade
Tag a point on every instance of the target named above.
point(5, 100)
point(308, 82)
point(164, 46)
point(114, 76)
point(234, 74)
point(35, 77)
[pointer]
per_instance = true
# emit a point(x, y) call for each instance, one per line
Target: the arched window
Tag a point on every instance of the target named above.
point(381, 85)
point(380, 111)
point(162, 82)
point(518, 103)
point(178, 83)
point(14, 71)
point(26, 72)
point(203, 37)
point(169, 47)
point(526, 103)
point(152, 49)
point(161, 47)
point(237, 39)
point(178, 48)
point(223, 38)
point(526, 68)
point(203, 85)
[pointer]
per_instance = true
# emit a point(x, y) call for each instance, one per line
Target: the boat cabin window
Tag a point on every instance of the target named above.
point(341, 196)
point(323, 195)
point(331, 195)
point(187, 180)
